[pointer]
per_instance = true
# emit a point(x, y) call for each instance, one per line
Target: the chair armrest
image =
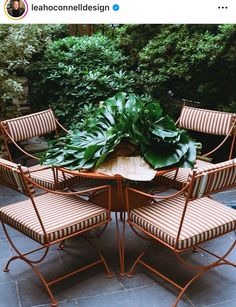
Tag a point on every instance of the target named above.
point(39, 169)
point(151, 196)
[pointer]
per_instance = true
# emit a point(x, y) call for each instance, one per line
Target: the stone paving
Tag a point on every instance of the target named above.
point(20, 288)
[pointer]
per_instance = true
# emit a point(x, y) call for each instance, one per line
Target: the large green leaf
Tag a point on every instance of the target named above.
point(124, 117)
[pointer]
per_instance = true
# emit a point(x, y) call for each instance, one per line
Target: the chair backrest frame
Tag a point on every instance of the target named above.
point(25, 127)
point(209, 122)
point(11, 176)
point(205, 181)
point(211, 179)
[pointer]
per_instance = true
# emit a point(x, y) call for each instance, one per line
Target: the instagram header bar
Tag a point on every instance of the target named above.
point(118, 11)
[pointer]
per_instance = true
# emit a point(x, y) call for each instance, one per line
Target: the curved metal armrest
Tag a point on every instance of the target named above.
point(224, 140)
point(39, 169)
point(82, 192)
point(154, 197)
point(60, 125)
point(67, 193)
point(20, 148)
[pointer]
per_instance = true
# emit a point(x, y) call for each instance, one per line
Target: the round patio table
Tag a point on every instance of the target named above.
point(94, 178)
point(117, 183)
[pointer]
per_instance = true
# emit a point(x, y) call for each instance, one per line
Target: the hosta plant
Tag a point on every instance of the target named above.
point(123, 125)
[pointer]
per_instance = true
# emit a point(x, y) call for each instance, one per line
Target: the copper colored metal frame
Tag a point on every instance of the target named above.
point(8, 139)
point(231, 133)
point(118, 204)
point(48, 244)
point(201, 269)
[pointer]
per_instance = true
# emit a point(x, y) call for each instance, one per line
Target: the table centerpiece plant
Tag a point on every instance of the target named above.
point(128, 125)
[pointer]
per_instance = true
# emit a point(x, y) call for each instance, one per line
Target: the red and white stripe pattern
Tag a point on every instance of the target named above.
point(181, 179)
point(45, 178)
point(206, 121)
point(25, 127)
point(61, 216)
point(205, 219)
point(211, 179)
point(10, 176)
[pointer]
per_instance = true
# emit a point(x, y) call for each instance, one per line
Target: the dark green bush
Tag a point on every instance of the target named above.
point(78, 70)
point(133, 38)
point(20, 45)
point(196, 62)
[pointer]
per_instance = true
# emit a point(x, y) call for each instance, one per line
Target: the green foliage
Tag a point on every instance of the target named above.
point(196, 62)
point(133, 38)
point(78, 71)
point(19, 46)
point(121, 119)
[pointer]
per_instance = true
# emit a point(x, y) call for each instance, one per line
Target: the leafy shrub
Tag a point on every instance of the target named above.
point(196, 62)
point(20, 45)
point(124, 120)
point(133, 38)
point(78, 70)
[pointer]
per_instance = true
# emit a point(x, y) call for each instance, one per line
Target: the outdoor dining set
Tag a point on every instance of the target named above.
point(63, 203)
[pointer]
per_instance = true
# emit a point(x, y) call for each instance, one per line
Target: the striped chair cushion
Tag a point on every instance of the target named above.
point(45, 178)
point(10, 176)
point(182, 177)
point(205, 219)
point(210, 179)
point(206, 121)
point(61, 216)
point(26, 127)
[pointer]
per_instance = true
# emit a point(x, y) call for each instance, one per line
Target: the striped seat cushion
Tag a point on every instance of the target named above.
point(61, 216)
point(205, 219)
point(45, 178)
point(182, 176)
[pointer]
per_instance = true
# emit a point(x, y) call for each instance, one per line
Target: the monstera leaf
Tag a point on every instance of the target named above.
point(123, 119)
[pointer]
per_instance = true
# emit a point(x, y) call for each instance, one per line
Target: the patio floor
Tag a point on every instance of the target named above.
point(20, 287)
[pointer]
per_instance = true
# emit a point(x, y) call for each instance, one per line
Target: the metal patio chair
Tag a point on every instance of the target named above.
point(49, 219)
point(37, 124)
point(208, 122)
point(186, 219)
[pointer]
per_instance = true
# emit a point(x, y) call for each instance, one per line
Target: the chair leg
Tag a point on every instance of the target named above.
point(46, 284)
point(132, 270)
point(107, 270)
point(199, 274)
point(62, 245)
point(54, 302)
point(120, 242)
point(221, 260)
point(31, 264)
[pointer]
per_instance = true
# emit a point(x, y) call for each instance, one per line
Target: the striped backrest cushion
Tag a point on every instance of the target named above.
point(11, 177)
point(206, 121)
point(211, 179)
point(26, 127)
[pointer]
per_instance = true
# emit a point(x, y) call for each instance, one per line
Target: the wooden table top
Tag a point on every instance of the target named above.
point(96, 175)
